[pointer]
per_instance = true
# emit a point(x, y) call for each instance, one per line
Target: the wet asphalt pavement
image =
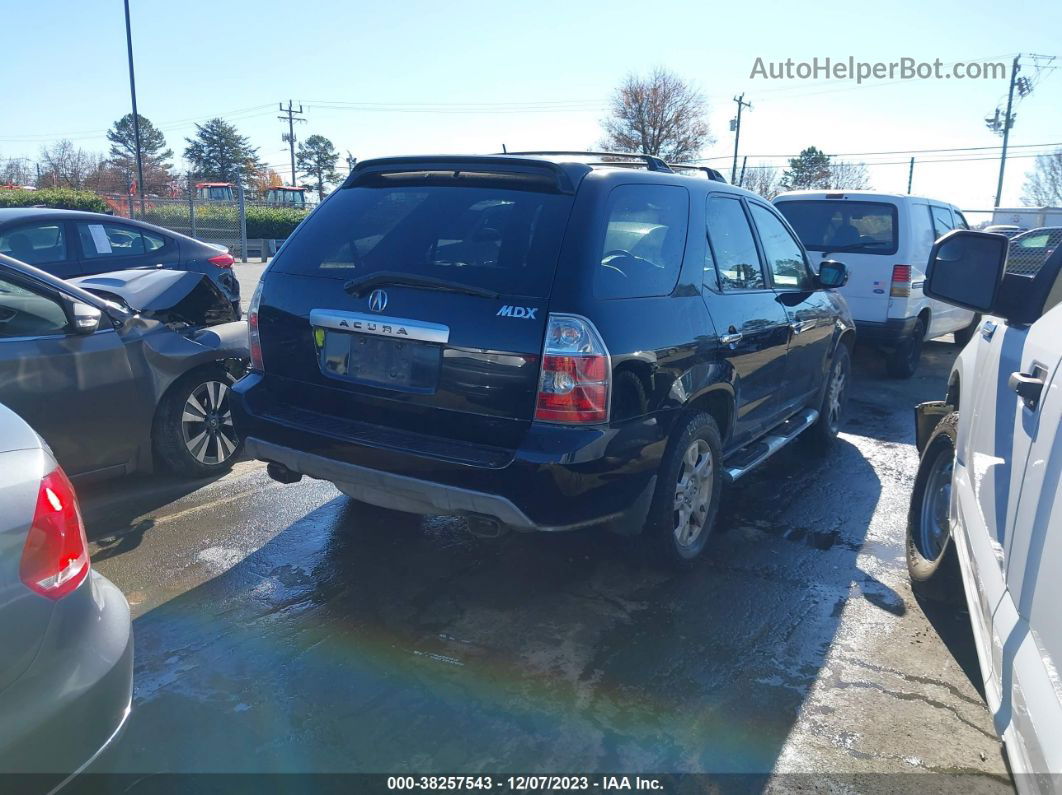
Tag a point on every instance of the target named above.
point(285, 628)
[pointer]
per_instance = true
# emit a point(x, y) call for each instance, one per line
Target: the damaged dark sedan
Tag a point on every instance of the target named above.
point(122, 372)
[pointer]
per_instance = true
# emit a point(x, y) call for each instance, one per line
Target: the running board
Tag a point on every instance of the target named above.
point(764, 448)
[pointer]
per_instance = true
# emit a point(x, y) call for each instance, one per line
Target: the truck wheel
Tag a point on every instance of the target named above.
point(688, 487)
point(193, 433)
point(931, 558)
point(903, 361)
point(820, 436)
point(964, 335)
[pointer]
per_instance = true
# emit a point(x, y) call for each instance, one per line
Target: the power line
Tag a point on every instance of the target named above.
point(898, 151)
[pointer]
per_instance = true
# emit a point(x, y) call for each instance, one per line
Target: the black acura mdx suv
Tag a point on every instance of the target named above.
point(542, 341)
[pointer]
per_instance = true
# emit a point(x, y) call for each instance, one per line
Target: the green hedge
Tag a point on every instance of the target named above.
point(262, 222)
point(62, 198)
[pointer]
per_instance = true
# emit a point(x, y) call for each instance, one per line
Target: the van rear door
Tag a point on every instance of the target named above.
point(861, 233)
point(417, 301)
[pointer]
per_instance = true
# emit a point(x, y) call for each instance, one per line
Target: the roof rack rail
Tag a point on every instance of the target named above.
point(711, 172)
point(652, 162)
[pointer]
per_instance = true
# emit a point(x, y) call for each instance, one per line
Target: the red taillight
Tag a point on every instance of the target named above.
point(254, 340)
point(222, 260)
point(574, 383)
point(901, 281)
point(55, 559)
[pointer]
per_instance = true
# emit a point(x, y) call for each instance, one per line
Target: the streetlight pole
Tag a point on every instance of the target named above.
point(136, 117)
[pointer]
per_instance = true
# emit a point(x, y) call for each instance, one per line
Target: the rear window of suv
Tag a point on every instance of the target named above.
point(488, 236)
point(842, 225)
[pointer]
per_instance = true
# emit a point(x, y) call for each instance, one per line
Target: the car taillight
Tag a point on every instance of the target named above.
point(55, 559)
point(253, 337)
point(901, 281)
point(222, 260)
point(574, 384)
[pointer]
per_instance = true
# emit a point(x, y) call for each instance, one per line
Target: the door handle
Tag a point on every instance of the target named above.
point(731, 339)
point(800, 326)
point(1028, 387)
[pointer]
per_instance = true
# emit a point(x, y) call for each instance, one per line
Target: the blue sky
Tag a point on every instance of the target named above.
point(469, 76)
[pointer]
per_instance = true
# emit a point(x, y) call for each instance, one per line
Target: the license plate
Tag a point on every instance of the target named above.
point(368, 359)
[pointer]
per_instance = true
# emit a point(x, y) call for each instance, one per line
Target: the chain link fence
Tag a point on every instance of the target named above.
point(248, 229)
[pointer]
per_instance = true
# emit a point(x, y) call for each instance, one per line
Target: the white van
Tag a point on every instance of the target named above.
point(884, 239)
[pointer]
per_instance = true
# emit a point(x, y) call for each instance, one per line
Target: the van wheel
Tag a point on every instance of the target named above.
point(964, 335)
point(688, 487)
point(931, 558)
point(193, 433)
point(820, 436)
point(903, 361)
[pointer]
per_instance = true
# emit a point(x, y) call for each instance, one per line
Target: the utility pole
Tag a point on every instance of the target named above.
point(735, 125)
point(136, 117)
point(910, 176)
point(741, 179)
point(1008, 120)
point(289, 114)
point(351, 161)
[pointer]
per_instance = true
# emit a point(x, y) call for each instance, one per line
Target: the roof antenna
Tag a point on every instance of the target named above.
point(504, 150)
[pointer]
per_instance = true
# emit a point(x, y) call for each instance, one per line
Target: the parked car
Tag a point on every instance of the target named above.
point(1029, 250)
point(1007, 230)
point(544, 342)
point(986, 512)
point(885, 240)
point(119, 370)
point(68, 243)
point(66, 644)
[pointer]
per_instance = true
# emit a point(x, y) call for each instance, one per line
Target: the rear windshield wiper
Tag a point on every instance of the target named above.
point(360, 285)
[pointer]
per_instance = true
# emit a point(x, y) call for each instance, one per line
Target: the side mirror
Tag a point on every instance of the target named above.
point(832, 274)
point(86, 318)
point(966, 269)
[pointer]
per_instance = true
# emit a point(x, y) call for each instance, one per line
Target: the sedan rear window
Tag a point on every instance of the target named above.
point(486, 236)
point(841, 225)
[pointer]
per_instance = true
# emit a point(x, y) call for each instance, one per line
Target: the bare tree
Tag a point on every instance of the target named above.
point(15, 171)
point(659, 115)
point(65, 166)
point(1043, 185)
point(847, 175)
point(762, 179)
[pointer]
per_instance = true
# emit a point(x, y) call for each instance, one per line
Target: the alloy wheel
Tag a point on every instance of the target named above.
point(693, 493)
point(206, 424)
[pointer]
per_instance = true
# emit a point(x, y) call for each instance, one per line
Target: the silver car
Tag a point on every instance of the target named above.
point(66, 643)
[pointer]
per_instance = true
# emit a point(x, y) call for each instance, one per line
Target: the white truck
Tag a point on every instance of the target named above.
point(986, 511)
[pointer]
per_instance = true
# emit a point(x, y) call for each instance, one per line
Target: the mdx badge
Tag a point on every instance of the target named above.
point(526, 312)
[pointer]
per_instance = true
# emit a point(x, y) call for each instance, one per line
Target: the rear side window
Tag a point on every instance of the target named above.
point(733, 245)
point(838, 225)
point(487, 236)
point(645, 237)
point(35, 244)
point(115, 240)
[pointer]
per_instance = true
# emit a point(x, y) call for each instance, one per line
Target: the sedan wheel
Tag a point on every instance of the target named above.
point(206, 424)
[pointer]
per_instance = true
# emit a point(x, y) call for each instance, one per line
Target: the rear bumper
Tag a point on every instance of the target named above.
point(75, 697)
point(891, 332)
point(559, 478)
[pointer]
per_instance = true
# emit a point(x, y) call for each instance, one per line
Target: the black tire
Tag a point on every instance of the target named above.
point(902, 361)
point(964, 335)
point(175, 439)
point(931, 559)
point(820, 436)
point(700, 432)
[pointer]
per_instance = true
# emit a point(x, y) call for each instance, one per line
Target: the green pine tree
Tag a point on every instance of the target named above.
point(317, 159)
point(219, 153)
